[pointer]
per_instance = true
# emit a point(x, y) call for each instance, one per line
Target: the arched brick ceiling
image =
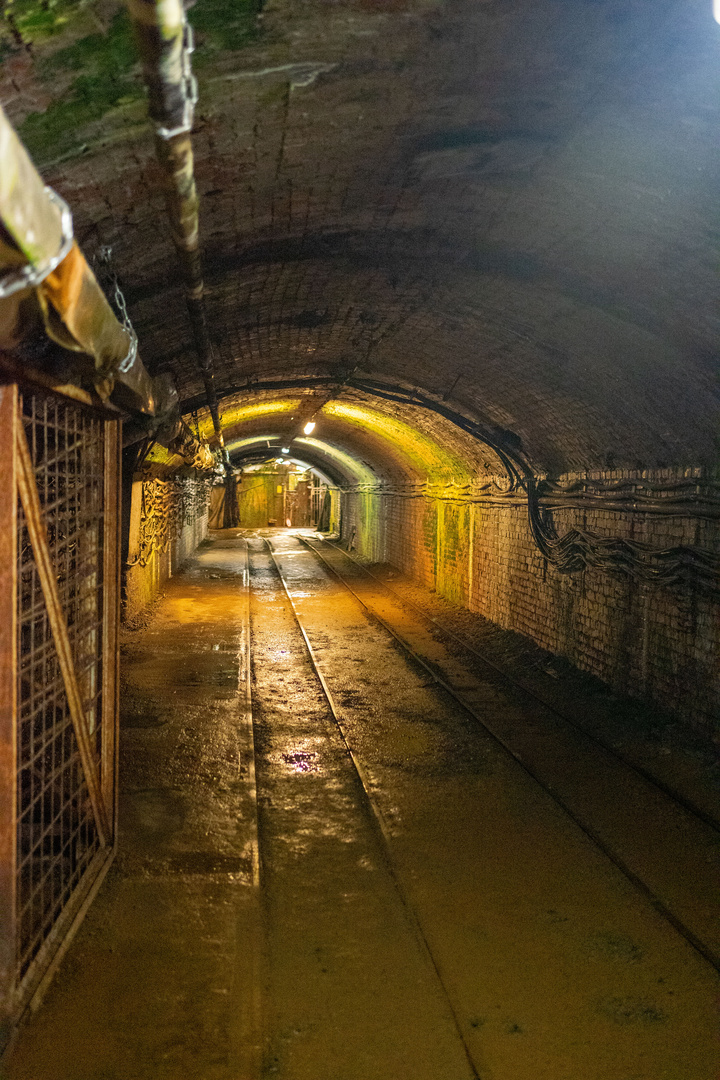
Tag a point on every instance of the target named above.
point(332, 462)
point(359, 438)
point(512, 204)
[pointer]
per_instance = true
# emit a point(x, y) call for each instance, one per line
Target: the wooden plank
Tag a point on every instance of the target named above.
point(111, 618)
point(56, 617)
point(8, 700)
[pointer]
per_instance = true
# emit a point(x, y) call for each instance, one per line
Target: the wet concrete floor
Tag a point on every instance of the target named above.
point(448, 920)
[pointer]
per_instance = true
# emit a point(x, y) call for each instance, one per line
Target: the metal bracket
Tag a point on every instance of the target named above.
point(189, 89)
point(30, 276)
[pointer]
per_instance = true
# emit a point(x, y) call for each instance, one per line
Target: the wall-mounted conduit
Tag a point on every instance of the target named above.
point(576, 550)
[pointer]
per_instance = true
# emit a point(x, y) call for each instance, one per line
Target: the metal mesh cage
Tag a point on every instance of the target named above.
point(57, 840)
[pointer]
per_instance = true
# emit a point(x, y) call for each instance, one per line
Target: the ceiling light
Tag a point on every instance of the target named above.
point(310, 426)
point(285, 450)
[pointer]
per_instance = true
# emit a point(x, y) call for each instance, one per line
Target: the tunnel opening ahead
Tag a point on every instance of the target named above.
point(610, 569)
point(278, 492)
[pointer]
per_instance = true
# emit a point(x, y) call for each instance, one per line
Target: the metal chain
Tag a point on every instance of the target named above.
point(104, 256)
point(194, 416)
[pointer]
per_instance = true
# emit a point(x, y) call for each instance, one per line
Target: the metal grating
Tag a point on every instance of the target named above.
point(57, 839)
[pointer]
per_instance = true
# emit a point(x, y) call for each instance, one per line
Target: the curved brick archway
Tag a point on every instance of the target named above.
point(493, 223)
point(512, 207)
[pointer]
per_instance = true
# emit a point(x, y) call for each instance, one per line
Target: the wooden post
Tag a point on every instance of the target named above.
point(8, 702)
point(111, 616)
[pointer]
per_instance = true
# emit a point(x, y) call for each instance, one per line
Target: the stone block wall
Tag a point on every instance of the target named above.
point(168, 519)
point(655, 642)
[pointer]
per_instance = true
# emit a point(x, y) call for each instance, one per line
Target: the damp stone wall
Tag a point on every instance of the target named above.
point(168, 520)
point(653, 642)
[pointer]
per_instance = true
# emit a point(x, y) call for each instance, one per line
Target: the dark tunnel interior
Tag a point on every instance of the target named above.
point(359, 603)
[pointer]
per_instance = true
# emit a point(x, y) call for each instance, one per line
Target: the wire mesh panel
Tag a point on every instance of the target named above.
point(57, 840)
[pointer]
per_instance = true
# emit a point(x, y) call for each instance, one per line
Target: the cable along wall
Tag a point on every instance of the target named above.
point(168, 519)
point(652, 636)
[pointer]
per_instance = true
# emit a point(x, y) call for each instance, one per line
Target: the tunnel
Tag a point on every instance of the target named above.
point(359, 593)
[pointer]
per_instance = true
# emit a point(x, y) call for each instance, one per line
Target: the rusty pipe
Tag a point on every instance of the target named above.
point(164, 41)
point(45, 279)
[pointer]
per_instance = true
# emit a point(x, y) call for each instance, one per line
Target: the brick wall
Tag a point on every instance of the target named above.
point(168, 520)
point(649, 641)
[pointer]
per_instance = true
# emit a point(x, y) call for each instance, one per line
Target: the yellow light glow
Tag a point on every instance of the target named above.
point(235, 413)
point(356, 471)
point(423, 454)
point(310, 426)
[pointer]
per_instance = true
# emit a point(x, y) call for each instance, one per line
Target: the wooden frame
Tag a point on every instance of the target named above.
point(8, 699)
point(21, 989)
point(111, 622)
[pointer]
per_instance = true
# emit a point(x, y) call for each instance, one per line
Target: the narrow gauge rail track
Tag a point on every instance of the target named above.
point(677, 797)
point(376, 819)
point(709, 954)
point(250, 1014)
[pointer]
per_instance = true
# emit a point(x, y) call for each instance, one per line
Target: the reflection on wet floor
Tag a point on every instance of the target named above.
point(349, 992)
point(429, 911)
point(301, 762)
point(553, 964)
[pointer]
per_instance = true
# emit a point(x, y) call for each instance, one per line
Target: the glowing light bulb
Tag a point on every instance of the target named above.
point(310, 426)
point(285, 450)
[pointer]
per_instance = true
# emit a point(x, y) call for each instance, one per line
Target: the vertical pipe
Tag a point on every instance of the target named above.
point(164, 41)
point(471, 557)
point(175, 155)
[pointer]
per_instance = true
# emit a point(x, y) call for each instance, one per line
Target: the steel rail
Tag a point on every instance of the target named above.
point(651, 778)
point(250, 1016)
point(376, 816)
point(708, 954)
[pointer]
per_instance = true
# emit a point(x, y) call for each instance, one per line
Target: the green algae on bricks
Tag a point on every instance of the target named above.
point(106, 79)
point(224, 25)
point(37, 20)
